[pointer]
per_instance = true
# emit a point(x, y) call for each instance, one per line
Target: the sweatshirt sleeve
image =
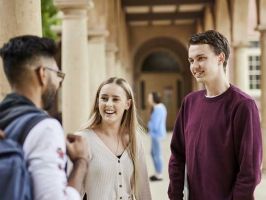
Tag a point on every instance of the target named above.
point(177, 160)
point(248, 148)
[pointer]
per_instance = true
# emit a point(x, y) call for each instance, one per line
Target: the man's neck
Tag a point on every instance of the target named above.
point(216, 88)
point(32, 94)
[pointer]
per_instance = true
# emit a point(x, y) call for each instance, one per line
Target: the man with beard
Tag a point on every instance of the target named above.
point(34, 77)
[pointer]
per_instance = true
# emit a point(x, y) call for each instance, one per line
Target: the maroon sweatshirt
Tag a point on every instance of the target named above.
point(219, 139)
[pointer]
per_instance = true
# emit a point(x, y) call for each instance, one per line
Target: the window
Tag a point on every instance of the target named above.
point(254, 71)
point(254, 44)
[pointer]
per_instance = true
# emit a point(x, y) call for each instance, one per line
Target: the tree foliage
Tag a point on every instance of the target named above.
point(49, 18)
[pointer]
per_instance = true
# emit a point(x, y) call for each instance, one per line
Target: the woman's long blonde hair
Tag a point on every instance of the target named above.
point(129, 123)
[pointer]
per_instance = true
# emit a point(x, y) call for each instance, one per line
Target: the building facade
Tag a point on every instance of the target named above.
point(145, 42)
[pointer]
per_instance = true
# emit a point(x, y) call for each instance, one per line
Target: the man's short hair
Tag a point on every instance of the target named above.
point(216, 40)
point(22, 50)
point(156, 97)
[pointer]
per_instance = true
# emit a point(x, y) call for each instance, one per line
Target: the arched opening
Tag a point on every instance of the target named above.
point(161, 65)
point(160, 62)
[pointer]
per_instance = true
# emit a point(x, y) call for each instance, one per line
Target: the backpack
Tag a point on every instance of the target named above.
point(15, 182)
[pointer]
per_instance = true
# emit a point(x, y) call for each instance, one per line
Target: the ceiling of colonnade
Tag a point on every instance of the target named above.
point(164, 12)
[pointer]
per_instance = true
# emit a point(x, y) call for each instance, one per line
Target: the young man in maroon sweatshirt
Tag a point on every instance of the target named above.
point(217, 133)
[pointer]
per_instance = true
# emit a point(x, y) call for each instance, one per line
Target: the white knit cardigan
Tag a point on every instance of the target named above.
point(108, 177)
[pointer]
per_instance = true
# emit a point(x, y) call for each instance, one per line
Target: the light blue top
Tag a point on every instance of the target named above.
point(157, 123)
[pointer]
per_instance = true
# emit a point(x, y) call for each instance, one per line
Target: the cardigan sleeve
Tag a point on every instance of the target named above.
point(143, 186)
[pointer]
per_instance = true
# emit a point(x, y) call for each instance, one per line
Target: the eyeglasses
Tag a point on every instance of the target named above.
point(58, 72)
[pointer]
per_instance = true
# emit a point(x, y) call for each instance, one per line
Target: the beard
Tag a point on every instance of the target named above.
point(49, 95)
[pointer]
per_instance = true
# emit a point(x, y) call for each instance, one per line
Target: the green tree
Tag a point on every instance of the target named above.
point(49, 18)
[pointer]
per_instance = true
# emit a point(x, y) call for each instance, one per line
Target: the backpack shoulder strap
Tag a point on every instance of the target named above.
point(32, 121)
point(20, 127)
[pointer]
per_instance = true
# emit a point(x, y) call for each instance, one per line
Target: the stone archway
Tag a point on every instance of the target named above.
point(161, 65)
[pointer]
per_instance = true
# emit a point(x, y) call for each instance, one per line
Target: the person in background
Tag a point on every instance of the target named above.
point(157, 131)
point(117, 166)
point(217, 133)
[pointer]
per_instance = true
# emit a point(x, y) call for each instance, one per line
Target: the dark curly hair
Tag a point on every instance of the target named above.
point(216, 40)
point(22, 50)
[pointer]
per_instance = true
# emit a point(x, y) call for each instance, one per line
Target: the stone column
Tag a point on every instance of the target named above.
point(262, 30)
point(111, 45)
point(199, 27)
point(97, 33)
point(15, 16)
point(76, 91)
point(222, 18)
point(223, 25)
point(123, 54)
point(123, 71)
point(119, 68)
point(97, 58)
point(261, 6)
point(111, 50)
point(208, 19)
point(129, 77)
point(241, 66)
point(240, 43)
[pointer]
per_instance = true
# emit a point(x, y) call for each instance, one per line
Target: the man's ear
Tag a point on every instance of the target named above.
point(221, 58)
point(41, 75)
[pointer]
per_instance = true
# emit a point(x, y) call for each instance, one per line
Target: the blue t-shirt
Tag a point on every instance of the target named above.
point(157, 123)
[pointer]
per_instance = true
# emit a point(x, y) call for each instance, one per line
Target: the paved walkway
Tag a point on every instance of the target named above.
point(159, 189)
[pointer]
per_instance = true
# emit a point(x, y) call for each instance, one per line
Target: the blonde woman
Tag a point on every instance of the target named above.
point(117, 168)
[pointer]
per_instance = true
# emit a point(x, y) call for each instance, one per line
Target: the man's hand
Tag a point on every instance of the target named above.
point(78, 152)
point(77, 148)
point(2, 135)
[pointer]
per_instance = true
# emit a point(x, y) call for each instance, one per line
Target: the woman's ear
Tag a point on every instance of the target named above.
point(129, 102)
